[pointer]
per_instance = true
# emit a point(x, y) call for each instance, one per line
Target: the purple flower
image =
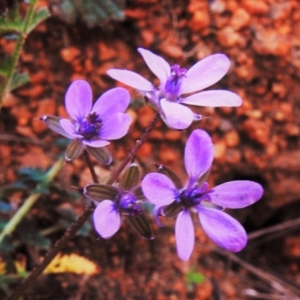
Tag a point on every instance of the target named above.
point(175, 82)
point(117, 203)
point(92, 125)
point(173, 199)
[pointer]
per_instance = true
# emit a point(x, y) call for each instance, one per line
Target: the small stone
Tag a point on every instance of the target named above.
point(269, 42)
point(145, 116)
point(279, 89)
point(292, 130)
point(69, 54)
point(255, 7)
point(257, 131)
point(46, 107)
point(32, 92)
point(173, 135)
point(106, 52)
point(232, 139)
point(219, 150)
point(227, 37)
point(200, 20)
point(240, 19)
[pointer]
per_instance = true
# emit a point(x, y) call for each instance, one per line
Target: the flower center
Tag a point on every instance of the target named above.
point(193, 196)
point(128, 205)
point(90, 126)
point(172, 86)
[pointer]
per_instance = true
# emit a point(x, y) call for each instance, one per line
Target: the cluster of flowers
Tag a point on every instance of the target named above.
point(93, 126)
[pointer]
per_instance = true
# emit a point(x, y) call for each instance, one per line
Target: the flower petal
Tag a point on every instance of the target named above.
point(224, 230)
point(107, 220)
point(69, 128)
point(205, 73)
point(96, 143)
point(156, 64)
point(236, 194)
point(185, 235)
point(113, 101)
point(158, 189)
point(176, 116)
point(198, 154)
point(52, 122)
point(78, 99)
point(115, 127)
point(131, 78)
point(214, 98)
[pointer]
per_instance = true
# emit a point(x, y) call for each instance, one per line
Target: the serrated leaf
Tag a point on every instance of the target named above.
point(18, 79)
point(11, 21)
point(38, 17)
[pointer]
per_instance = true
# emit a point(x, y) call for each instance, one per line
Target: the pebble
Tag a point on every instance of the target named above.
point(69, 54)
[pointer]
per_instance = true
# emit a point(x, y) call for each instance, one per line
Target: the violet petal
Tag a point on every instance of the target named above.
point(176, 116)
point(236, 194)
point(156, 64)
point(131, 78)
point(113, 101)
point(158, 189)
point(204, 73)
point(78, 100)
point(96, 143)
point(198, 154)
point(107, 220)
point(69, 128)
point(224, 230)
point(115, 127)
point(185, 235)
point(214, 98)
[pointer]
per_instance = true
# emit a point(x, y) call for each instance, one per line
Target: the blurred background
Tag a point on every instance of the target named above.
point(258, 141)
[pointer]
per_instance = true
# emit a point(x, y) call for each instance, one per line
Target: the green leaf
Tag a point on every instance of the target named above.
point(11, 21)
point(18, 79)
point(6, 65)
point(34, 174)
point(38, 17)
point(195, 277)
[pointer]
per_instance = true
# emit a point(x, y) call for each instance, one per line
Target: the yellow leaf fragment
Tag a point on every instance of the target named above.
point(72, 263)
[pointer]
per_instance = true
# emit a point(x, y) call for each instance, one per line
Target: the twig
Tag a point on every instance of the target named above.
point(291, 292)
point(12, 138)
point(71, 231)
point(280, 227)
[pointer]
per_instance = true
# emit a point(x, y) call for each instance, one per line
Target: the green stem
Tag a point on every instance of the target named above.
point(17, 51)
point(29, 202)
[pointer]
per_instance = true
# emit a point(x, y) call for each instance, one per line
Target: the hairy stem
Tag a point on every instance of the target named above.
point(17, 51)
point(71, 231)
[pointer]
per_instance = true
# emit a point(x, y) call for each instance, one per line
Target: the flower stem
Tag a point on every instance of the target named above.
point(89, 163)
point(4, 87)
point(30, 201)
point(71, 231)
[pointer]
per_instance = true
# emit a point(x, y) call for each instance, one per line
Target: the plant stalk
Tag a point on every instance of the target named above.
point(17, 51)
point(71, 231)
